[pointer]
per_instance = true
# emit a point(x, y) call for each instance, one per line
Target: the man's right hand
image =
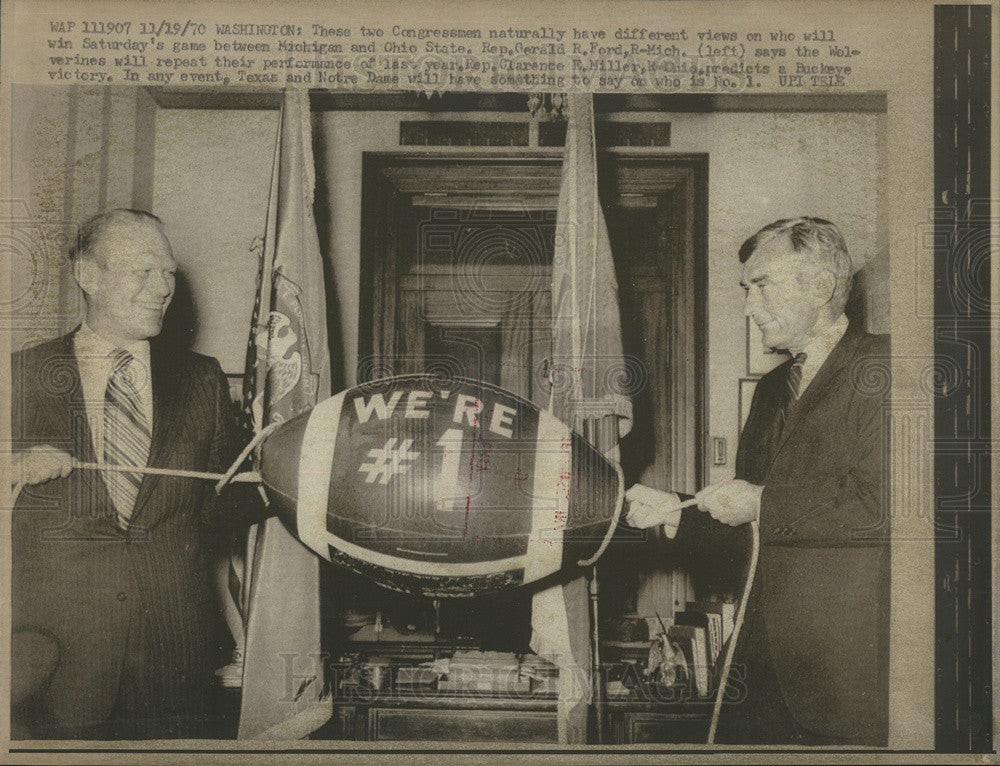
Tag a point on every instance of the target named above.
point(41, 463)
point(648, 507)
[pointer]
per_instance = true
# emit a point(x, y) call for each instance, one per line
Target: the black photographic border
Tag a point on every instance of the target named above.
point(963, 694)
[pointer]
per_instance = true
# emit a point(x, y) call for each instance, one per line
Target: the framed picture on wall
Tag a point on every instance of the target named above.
point(745, 397)
point(760, 360)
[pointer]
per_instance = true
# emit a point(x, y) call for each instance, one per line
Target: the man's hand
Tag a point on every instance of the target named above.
point(41, 463)
point(732, 502)
point(648, 507)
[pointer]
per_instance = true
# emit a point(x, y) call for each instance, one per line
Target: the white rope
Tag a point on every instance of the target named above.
point(180, 473)
point(257, 439)
point(614, 521)
point(247, 477)
point(737, 626)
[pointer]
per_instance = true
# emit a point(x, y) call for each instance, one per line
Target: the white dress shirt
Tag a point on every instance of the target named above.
point(94, 358)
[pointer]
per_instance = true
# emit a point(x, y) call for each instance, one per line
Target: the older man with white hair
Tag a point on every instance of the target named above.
point(812, 660)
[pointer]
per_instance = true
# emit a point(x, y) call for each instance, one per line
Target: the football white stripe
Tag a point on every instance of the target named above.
point(550, 497)
point(315, 468)
point(429, 568)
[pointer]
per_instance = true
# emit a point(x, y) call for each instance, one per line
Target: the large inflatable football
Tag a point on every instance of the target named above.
point(442, 487)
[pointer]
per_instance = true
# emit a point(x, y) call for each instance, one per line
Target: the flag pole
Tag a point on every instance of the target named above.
point(259, 381)
point(283, 610)
point(587, 336)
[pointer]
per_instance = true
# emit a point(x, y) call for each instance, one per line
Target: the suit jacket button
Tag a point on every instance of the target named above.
point(122, 595)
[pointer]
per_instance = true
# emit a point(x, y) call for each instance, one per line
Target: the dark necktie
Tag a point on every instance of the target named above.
point(126, 435)
point(795, 375)
point(794, 382)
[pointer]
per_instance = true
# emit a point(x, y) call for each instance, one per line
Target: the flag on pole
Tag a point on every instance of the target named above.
point(288, 371)
point(588, 362)
point(586, 374)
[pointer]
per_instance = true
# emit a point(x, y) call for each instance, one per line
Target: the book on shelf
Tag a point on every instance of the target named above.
point(712, 624)
point(694, 643)
point(725, 609)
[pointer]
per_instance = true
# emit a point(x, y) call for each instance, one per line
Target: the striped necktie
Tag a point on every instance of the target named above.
point(126, 435)
point(795, 376)
point(793, 383)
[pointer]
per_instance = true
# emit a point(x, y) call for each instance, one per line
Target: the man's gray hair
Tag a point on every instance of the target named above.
point(94, 227)
point(816, 237)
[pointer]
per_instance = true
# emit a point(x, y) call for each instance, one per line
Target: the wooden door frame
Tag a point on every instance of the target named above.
point(390, 179)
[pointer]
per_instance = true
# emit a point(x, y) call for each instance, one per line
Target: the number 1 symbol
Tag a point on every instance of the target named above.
point(446, 484)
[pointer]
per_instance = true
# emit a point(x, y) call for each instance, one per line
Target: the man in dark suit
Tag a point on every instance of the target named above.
point(116, 629)
point(812, 661)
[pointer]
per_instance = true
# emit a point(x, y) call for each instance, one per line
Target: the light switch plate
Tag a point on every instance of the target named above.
point(718, 450)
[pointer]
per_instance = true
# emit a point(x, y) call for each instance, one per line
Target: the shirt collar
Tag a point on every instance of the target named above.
point(819, 348)
point(91, 345)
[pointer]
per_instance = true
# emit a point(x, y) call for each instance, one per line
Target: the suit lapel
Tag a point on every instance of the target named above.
point(826, 376)
point(167, 384)
point(63, 407)
point(759, 440)
point(65, 410)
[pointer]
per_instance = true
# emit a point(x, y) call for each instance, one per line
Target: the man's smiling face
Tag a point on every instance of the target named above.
point(129, 280)
point(781, 294)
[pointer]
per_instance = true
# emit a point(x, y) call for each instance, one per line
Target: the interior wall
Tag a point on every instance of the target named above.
point(76, 149)
point(211, 179)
